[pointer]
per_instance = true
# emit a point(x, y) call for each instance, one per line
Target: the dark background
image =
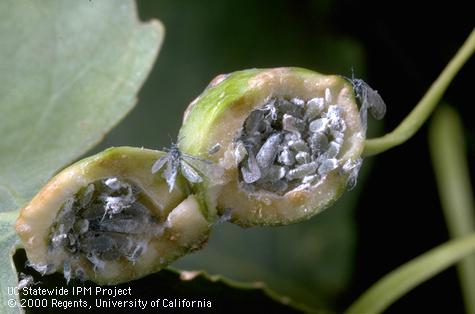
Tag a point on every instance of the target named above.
point(398, 48)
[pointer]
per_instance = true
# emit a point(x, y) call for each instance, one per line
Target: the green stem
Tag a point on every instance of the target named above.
point(400, 281)
point(426, 105)
point(450, 165)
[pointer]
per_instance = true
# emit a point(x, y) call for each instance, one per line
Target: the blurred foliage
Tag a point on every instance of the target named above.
point(60, 91)
point(311, 262)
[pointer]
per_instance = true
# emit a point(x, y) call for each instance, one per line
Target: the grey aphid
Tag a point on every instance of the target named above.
point(271, 110)
point(311, 134)
point(41, 268)
point(302, 171)
point(275, 173)
point(240, 152)
point(98, 263)
point(318, 142)
point(268, 151)
point(285, 106)
point(25, 281)
point(225, 216)
point(298, 146)
point(252, 123)
point(189, 173)
point(369, 99)
point(328, 96)
point(297, 101)
point(113, 183)
point(327, 166)
point(79, 274)
point(302, 157)
point(314, 108)
point(214, 149)
point(191, 167)
point(318, 125)
point(292, 124)
point(67, 271)
point(353, 169)
point(87, 196)
point(286, 157)
point(310, 179)
point(332, 151)
point(251, 173)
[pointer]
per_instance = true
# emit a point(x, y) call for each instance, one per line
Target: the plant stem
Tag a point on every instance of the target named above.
point(426, 105)
point(400, 281)
point(450, 165)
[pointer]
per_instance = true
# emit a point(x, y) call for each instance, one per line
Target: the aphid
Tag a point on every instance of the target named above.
point(67, 271)
point(286, 157)
point(79, 274)
point(310, 179)
point(240, 152)
point(297, 101)
point(302, 171)
point(191, 167)
point(41, 268)
point(332, 151)
point(252, 123)
point(302, 157)
point(98, 263)
point(314, 108)
point(275, 173)
point(292, 124)
point(327, 166)
point(25, 281)
point(328, 96)
point(353, 168)
point(87, 196)
point(268, 151)
point(214, 149)
point(318, 125)
point(272, 110)
point(286, 106)
point(369, 99)
point(318, 142)
point(298, 145)
point(251, 172)
point(226, 215)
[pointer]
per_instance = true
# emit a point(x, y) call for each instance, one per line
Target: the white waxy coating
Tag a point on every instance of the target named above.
point(293, 140)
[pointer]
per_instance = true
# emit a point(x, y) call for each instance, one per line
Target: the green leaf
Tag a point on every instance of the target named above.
point(8, 277)
point(69, 72)
point(449, 158)
point(169, 285)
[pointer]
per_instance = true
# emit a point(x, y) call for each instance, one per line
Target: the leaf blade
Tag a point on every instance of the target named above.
point(71, 73)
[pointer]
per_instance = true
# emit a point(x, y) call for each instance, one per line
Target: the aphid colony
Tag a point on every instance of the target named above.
point(290, 143)
point(104, 221)
point(282, 145)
